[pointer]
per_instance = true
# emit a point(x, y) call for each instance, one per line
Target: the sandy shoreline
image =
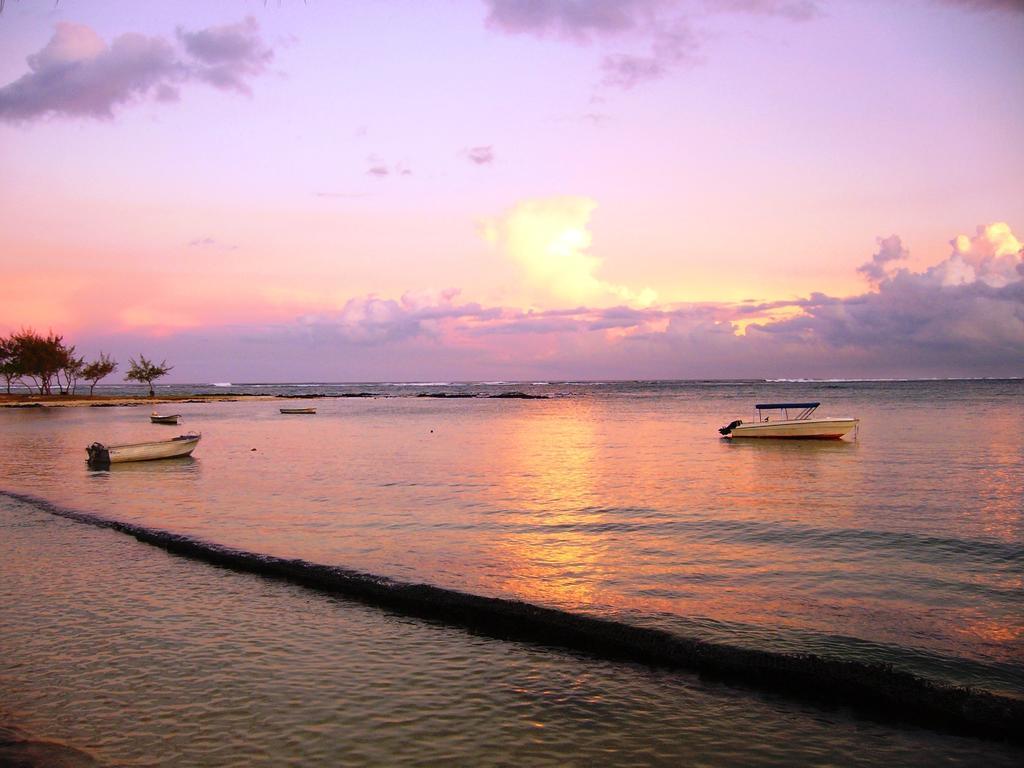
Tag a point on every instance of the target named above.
point(130, 401)
point(109, 401)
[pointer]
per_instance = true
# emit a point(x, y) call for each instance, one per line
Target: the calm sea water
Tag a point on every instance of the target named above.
point(619, 499)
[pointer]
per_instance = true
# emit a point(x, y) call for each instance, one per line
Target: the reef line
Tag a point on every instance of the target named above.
point(876, 691)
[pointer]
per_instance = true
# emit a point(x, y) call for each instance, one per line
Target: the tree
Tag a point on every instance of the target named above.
point(146, 372)
point(40, 358)
point(97, 370)
point(71, 367)
point(8, 364)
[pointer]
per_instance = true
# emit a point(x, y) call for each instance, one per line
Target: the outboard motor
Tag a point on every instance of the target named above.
point(98, 455)
point(724, 431)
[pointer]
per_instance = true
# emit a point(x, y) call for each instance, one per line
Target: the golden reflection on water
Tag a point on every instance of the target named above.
point(550, 476)
point(1002, 475)
point(582, 483)
point(1008, 632)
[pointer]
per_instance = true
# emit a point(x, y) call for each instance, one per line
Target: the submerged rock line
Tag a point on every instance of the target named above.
point(877, 691)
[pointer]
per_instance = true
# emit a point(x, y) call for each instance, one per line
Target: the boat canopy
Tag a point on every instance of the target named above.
point(804, 410)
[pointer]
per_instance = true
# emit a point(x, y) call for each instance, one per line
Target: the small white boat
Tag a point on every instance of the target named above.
point(799, 425)
point(182, 445)
point(156, 418)
point(298, 410)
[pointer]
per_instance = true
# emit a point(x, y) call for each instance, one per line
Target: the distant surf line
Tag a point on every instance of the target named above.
point(877, 691)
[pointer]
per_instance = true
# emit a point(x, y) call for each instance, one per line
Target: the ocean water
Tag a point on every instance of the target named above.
point(620, 500)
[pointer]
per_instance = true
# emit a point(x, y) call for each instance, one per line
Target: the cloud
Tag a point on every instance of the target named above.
point(226, 56)
point(76, 74)
point(670, 48)
point(989, 5)
point(890, 249)
point(575, 19)
point(550, 240)
point(795, 10)
point(963, 316)
point(209, 242)
point(586, 20)
point(483, 155)
point(655, 25)
point(373, 320)
point(381, 169)
point(941, 321)
point(912, 320)
point(663, 34)
point(992, 257)
point(968, 310)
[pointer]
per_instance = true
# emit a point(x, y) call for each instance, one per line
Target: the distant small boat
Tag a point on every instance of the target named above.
point(156, 418)
point(801, 426)
point(182, 445)
point(298, 410)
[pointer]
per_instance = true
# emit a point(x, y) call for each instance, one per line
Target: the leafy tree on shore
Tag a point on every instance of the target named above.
point(8, 363)
point(38, 358)
point(71, 367)
point(97, 370)
point(146, 372)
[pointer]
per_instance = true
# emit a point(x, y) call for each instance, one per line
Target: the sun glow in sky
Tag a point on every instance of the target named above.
point(507, 189)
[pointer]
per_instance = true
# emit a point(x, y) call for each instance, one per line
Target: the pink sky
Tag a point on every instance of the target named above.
point(512, 189)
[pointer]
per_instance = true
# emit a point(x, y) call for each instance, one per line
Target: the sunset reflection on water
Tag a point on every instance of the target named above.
point(549, 484)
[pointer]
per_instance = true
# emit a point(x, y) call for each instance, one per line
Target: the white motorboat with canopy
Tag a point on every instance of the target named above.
point(791, 421)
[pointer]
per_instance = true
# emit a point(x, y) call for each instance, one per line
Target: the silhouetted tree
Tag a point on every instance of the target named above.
point(146, 372)
point(71, 367)
point(39, 358)
point(97, 370)
point(8, 364)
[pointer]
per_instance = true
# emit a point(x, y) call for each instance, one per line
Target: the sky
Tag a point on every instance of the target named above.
point(440, 190)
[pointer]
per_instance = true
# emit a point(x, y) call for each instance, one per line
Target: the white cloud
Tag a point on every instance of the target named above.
point(550, 240)
point(992, 256)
